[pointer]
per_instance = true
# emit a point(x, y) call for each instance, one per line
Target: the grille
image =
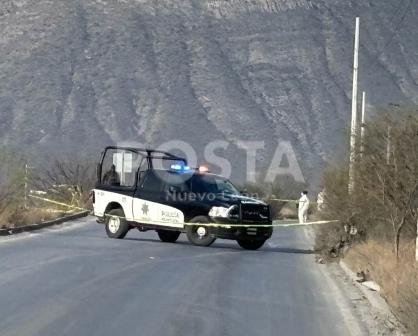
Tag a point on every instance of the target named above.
point(255, 213)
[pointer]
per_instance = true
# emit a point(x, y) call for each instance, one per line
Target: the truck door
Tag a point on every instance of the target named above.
point(149, 204)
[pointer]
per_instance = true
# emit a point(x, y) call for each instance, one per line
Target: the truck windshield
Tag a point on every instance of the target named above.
point(212, 184)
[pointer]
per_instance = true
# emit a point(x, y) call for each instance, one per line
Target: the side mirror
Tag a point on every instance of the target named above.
point(173, 189)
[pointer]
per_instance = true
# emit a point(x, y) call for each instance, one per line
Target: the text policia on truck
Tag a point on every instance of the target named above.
point(155, 190)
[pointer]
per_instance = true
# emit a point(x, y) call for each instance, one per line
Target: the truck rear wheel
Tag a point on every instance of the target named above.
point(168, 236)
point(200, 234)
point(250, 244)
point(116, 225)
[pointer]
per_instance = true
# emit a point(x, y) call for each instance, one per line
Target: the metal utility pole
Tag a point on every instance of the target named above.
point(354, 109)
point(363, 123)
point(26, 185)
point(27, 167)
point(388, 145)
point(416, 251)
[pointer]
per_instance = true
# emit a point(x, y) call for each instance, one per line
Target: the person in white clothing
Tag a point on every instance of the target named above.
point(303, 207)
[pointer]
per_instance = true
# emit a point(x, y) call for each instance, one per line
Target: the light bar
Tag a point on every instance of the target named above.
point(179, 167)
point(203, 169)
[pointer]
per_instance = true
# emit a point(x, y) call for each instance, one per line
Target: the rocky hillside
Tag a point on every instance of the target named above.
point(76, 75)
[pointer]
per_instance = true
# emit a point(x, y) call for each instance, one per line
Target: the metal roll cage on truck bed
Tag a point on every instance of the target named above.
point(136, 189)
point(147, 154)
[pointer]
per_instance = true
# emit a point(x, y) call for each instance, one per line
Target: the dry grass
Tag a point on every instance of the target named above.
point(397, 277)
point(330, 239)
point(23, 217)
point(288, 211)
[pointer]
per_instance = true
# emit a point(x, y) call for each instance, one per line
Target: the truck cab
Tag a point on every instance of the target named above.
point(154, 190)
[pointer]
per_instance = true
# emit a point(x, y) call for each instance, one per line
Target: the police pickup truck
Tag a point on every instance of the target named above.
point(154, 190)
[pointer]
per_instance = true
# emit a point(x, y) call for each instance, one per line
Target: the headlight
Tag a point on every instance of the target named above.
point(220, 212)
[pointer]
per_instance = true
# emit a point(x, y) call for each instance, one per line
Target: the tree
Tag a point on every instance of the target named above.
point(387, 175)
point(385, 196)
point(11, 182)
point(70, 181)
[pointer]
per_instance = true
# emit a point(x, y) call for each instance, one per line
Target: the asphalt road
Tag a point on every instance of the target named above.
point(73, 280)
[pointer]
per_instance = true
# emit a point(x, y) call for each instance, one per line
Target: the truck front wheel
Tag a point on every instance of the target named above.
point(198, 233)
point(250, 244)
point(116, 225)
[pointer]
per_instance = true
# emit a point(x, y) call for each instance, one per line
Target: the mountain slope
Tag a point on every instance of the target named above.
point(77, 75)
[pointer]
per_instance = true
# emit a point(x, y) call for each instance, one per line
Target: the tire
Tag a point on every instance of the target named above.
point(168, 236)
point(116, 225)
point(200, 235)
point(250, 244)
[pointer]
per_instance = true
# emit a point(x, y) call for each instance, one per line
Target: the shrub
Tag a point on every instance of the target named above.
point(11, 184)
point(384, 199)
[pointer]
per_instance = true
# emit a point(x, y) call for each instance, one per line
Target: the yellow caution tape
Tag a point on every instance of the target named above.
point(306, 223)
point(222, 225)
point(255, 225)
point(285, 200)
point(58, 203)
point(228, 226)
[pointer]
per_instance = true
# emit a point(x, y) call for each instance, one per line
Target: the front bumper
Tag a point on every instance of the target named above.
point(255, 218)
point(257, 231)
point(247, 233)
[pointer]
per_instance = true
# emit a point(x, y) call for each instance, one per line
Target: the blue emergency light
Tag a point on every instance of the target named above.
point(179, 167)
